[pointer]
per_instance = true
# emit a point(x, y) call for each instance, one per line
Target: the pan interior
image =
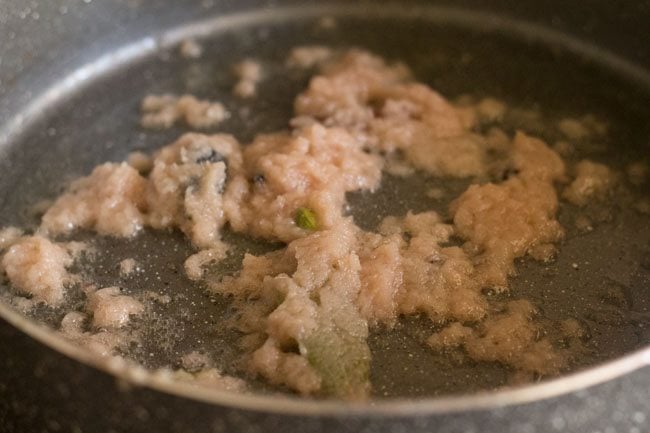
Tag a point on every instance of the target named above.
point(600, 277)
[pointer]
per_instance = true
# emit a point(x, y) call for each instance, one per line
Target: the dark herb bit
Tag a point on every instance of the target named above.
point(191, 184)
point(211, 157)
point(306, 219)
point(508, 173)
point(259, 179)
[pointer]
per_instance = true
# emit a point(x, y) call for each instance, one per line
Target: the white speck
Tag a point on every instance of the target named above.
point(190, 49)
point(574, 266)
point(53, 425)
point(558, 423)
point(638, 417)
point(23, 14)
point(116, 363)
point(327, 23)
point(137, 374)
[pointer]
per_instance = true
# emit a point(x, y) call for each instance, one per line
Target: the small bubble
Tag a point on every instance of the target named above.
point(24, 13)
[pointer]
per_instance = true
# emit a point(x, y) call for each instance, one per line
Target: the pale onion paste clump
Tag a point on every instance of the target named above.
point(163, 111)
point(305, 310)
point(37, 266)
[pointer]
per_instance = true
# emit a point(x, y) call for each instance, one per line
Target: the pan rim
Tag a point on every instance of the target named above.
point(295, 405)
point(85, 74)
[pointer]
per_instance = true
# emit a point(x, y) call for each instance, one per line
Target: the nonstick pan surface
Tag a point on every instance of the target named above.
point(601, 277)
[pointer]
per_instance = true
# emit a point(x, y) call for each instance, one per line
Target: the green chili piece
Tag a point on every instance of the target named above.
point(306, 219)
point(342, 361)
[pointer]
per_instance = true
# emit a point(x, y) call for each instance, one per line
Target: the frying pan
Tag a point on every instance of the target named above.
point(71, 77)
